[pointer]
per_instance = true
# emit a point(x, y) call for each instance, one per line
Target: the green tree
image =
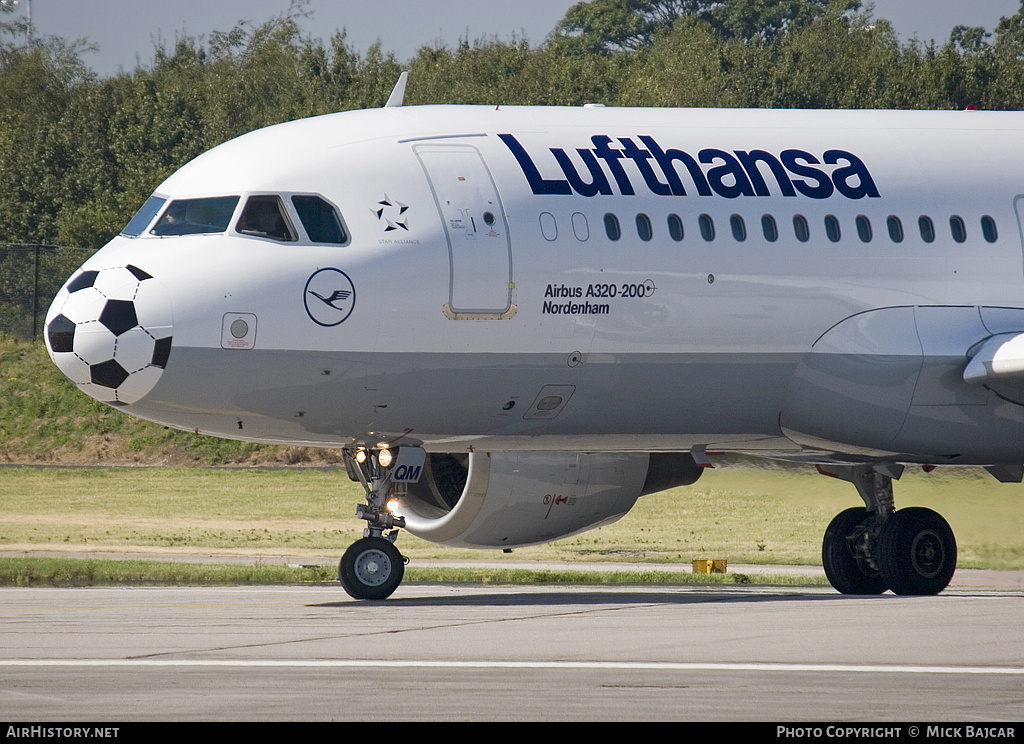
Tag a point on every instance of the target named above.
point(841, 60)
point(37, 86)
point(605, 26)
point(692, 65)
point(969, 39)
point(1006, 90)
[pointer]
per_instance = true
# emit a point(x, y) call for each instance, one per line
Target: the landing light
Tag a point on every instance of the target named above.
point(360, 456)
point(384, 458)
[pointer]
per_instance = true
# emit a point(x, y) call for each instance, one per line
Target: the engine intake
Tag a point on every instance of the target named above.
point(514, 499)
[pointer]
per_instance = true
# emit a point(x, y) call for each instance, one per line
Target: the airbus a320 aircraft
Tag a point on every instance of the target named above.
point(516, 321)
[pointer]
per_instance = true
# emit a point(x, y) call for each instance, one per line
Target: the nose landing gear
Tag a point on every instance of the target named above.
point(372, 567)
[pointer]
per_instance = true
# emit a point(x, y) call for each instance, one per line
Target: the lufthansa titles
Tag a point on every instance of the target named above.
point(673, 172)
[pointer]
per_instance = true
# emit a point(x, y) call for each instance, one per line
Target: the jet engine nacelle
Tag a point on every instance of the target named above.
point(514, 499)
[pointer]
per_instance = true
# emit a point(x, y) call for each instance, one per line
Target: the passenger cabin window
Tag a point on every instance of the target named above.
point(580, 227)
point(800, 227)
point(320, 219)
point(988, 229)
point(895, 228)
point(864, 228)
point(643, 227)
point(707, 227)
point(957, 228)
point(770, 228)
point(548, 227)
point(196, 216)
point(143, 217)
point(675, 227)
point(927, 228)
point(611, 226)
point(264, 217)
point(739, 228)
point(832, 228)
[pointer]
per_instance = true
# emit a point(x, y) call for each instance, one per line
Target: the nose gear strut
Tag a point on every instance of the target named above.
point(372, 567)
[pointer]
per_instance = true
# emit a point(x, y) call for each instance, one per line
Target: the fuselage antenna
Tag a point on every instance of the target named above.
point(398, 94)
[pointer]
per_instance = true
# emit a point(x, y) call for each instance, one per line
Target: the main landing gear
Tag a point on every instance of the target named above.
point(868, 550)
point(372, 567)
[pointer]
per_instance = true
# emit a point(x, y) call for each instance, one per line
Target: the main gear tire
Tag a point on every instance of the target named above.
point(847, 573)
point(916, 552)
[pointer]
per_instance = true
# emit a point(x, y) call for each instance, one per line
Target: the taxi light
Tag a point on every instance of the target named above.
point(384, 458)
point(361, 456)
point(393, 505)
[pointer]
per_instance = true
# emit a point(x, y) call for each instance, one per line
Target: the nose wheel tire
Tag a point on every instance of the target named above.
point(371, 568)
point(847, 573)
point(916, 552)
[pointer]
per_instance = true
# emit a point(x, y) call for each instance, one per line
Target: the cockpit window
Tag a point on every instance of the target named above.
point(264, 217)
point(196, 216)
point(143, 217)
point(320, 219)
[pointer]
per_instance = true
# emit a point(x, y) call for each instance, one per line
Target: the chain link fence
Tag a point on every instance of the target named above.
point(30, 276)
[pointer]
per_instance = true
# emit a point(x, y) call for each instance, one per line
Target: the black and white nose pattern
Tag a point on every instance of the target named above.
point(109, 330)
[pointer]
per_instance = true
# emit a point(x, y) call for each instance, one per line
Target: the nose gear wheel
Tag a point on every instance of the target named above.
point(371, 568)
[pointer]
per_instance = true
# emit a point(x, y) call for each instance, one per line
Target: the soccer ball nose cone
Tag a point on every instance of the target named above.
point(110, 332)
point(60, 334)
point(119, 316)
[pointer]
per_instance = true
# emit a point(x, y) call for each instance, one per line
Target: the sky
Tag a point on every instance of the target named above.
point(126, 31)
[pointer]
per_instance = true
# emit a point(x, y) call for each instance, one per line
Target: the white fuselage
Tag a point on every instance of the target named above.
point(483, 296)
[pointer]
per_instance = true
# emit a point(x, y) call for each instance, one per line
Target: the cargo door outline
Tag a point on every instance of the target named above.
point(479, 246)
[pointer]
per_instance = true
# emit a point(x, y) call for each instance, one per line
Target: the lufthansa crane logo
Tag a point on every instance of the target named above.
point(329, 297)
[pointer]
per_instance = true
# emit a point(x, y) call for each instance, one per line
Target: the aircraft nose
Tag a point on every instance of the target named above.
point(109, 331)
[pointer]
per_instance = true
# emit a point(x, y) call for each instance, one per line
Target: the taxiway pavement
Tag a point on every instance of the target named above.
point(471, 652)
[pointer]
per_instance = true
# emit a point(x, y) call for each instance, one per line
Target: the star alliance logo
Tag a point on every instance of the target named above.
point(392, 213)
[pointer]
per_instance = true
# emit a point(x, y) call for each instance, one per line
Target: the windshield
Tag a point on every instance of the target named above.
point(319, 219)
point(196, 216)
point(143, 217)
point(264, 217)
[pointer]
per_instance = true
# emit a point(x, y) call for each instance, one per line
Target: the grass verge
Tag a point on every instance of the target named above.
point(42, 571)
point(62, 572)
point(742, 514)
